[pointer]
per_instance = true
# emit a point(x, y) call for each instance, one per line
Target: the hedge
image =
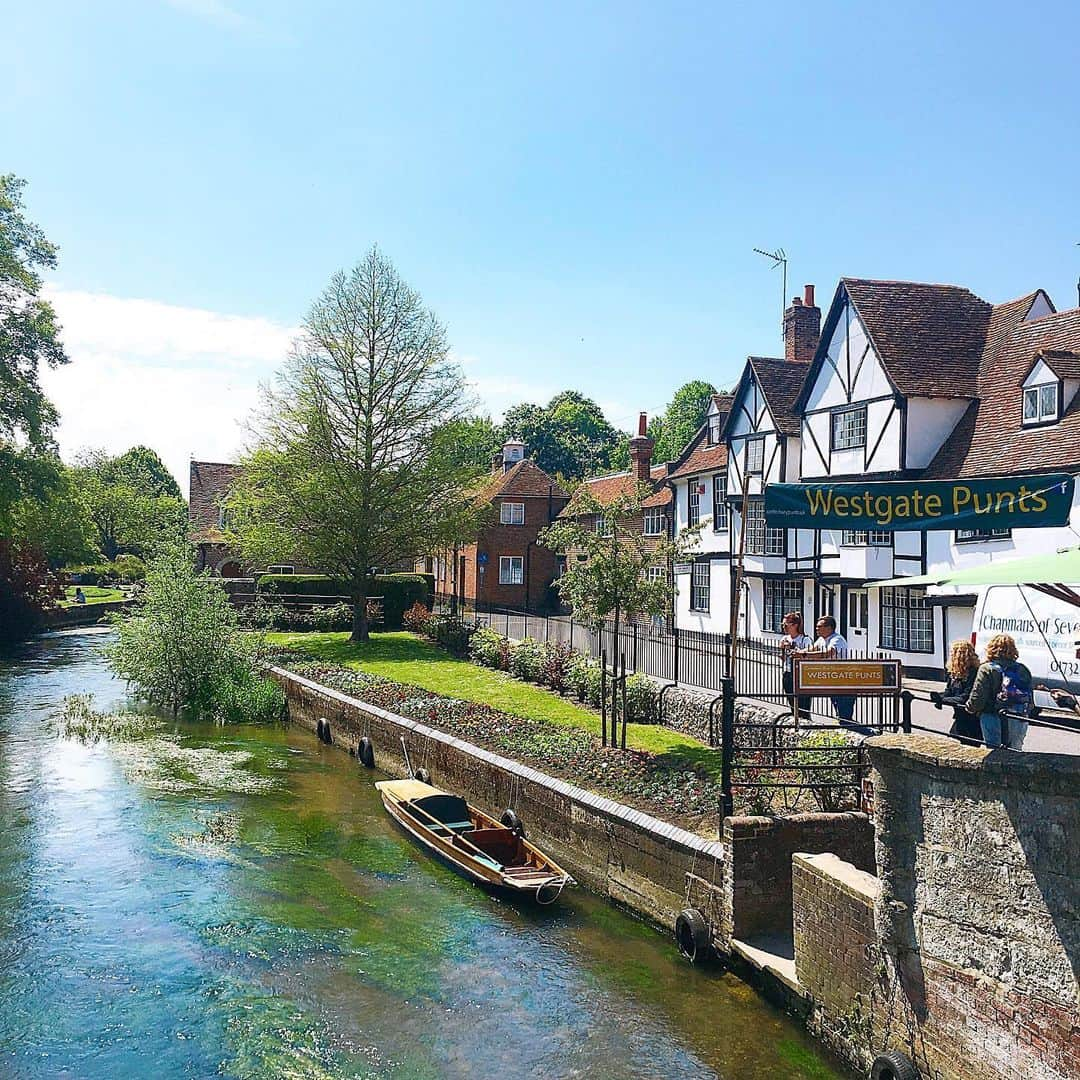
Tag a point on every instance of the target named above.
point(399, 591)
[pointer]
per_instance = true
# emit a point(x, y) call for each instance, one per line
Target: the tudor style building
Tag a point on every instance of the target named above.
point(505, 566)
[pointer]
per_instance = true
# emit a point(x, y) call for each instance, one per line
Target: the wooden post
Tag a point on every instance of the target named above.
point(736, 599)
point(603, 697)
point(623, 681)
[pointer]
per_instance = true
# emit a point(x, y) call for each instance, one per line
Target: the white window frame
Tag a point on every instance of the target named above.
point(1044, 412)
point(604, 526)
point(653, 521)
point(846, 435)
point(693, 500)
point(700, 586)
point(512, 513)
point(865, 538)
point(906, 621)
point(979, 536)
point(762, 539)
point(511, 570)
point(719, 503)
point(754, 466)
point(281, 568)
point(780, 595)
point(716, 427)
point(656, 573)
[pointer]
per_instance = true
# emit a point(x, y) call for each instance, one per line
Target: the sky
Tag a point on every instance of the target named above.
point(575, 189)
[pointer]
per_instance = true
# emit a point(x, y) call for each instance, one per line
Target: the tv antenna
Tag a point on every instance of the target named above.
point(779, 258)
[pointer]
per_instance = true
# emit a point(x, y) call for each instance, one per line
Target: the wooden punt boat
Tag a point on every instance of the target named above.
point(478, 846)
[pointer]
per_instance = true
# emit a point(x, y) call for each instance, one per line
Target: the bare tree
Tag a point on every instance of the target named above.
point(347, 470)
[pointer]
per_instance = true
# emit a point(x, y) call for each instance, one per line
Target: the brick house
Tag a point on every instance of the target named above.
point(656, 508)
point(209, 484)
point(506, 566)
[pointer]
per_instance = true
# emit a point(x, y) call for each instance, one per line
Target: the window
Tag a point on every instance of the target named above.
point(849, 428)
point(907, 623)
point(755, 456)
point(1041, 403)
point(604, 526)
point(863, 537)
point(719, 504)
point(655, 573)
point(694, 490)
point(654, 521)
point(968, 536)
point(761, 539)
point(281, 569)
point(781, 596)
point(716, 424)
point(511, 570)
point(826, 601)
point(512, 513)
point(699, 586)
point(224, 518)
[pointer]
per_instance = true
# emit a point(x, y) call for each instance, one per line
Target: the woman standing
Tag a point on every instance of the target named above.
point(961, 670)
point(1002, 685)
point(793, 639)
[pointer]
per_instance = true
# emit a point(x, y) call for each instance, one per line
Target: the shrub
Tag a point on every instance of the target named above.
point(593, 685)
point(244, 697)
point(328, 617)
point(577, 675)
point(452, 633)
point(399, 591)
point(641, 699)
point(416, 619)
point(555, 665)
point(527, 659)
point(129, 568)
point(488, 647)
point(836, 751)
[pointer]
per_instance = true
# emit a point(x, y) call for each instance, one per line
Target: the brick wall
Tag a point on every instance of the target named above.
point(758, 885)
point(626, 855)
point(964, 953)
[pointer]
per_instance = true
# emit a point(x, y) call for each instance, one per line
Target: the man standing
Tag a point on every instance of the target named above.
point(832, 646)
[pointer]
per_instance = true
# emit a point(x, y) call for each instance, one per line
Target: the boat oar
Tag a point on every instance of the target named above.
point(408, 763)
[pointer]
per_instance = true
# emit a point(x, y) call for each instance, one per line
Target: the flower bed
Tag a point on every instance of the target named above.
point(659, 784)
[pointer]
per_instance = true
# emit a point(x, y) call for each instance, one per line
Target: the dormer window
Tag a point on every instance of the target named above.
point(715, 427)
point(1041, 404)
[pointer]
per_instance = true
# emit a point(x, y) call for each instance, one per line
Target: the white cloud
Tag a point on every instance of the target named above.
point(180, 380)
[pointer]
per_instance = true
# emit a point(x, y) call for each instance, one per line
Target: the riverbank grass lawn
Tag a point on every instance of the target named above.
point(94, 594)
point(405, 658)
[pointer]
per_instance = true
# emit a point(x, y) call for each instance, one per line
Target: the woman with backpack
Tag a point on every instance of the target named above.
point(1002, 685)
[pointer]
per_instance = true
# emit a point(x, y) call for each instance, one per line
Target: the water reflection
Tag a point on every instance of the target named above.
point(282, 927)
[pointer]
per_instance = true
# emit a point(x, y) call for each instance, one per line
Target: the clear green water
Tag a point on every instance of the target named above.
point(235, 903)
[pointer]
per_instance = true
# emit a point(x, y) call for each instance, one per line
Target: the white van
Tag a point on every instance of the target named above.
point(1046, 631)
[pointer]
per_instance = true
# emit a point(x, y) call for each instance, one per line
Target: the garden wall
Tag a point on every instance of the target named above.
point(635, 859)
point(81, 614)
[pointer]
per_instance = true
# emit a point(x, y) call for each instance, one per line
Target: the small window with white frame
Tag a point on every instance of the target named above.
point(511, 570)
point(604, 525)
point(699, 586)
point(655, 573)
point(1041, 404)
point(281, 568)
point(716, 428)
point(849, 428)
point(654, 521)
point(866, 538)
point(719, 503)
point(973, 536)
point(755, 456)
point(512, 513)
point(695, 488)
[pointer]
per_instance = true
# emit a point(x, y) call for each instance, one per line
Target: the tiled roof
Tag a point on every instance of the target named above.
point(605, 489)
point(989, 439)
point(1064, 363)
point(723, 402)
point(700, 457)
point(525, 479)
point(780, 382)
point(928, 337)
point(209, 484)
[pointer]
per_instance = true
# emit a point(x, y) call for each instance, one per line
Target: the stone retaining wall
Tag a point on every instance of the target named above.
point(645, 864)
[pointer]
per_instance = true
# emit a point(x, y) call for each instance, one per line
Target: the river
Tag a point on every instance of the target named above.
point(234, 902)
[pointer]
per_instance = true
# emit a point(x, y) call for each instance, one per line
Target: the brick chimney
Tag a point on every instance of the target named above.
point(802, 328)
point(641, 448)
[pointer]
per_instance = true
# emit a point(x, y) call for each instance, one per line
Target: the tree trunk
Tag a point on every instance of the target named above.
point(360, 619)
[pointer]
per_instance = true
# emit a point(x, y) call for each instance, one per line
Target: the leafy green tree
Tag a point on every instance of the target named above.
point(26, 589)
point(29, 339)
point(181, 649)
point(472, 442)
point(685, 413)
point(56, 522)
point(614, 578)
point(132, 500)
point(568, 437)
point(347, 471)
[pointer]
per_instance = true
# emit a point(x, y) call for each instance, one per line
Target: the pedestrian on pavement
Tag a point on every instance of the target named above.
point(1002, 686)
point(833, 646)
point(794, 640)
point(961, 670)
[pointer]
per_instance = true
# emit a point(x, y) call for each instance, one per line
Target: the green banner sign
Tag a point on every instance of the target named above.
point(1023, 502)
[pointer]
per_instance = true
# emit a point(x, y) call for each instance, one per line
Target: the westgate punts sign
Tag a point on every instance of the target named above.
point(868, 678)
point(1025, 502)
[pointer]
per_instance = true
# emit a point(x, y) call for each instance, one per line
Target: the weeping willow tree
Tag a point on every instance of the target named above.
point(350, 467)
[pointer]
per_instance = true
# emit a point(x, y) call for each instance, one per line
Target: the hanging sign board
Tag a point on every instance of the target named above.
point(863, 678)
point(683, 567)
point(1005, 502)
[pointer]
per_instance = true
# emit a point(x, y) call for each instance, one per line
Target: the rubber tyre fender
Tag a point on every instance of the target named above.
point(365, 753)
point(692, 935)
point(512, 821)
point(893, 1065)
point(326, 736)
point(320, 729)
point(423, 776)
